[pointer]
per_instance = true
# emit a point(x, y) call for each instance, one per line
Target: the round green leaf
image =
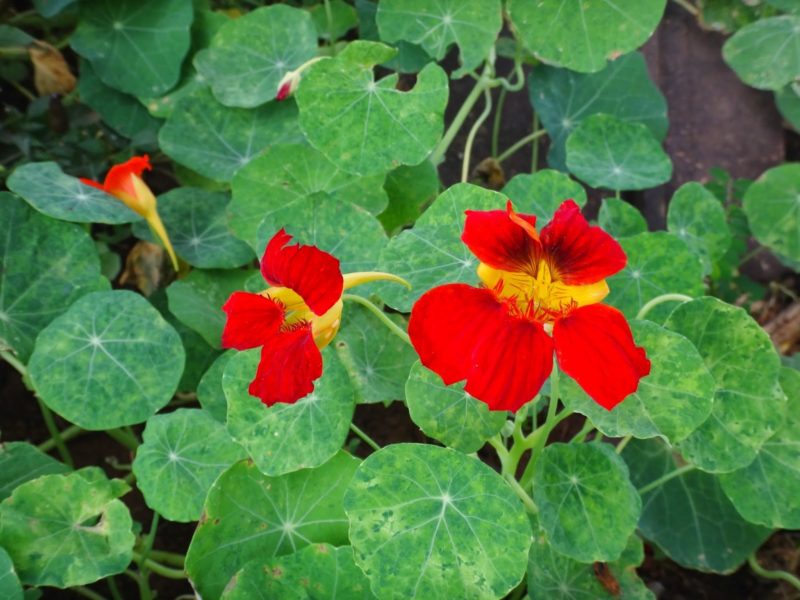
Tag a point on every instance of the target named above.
point(343, 18)
point(772, 206)
point(46, 265)
point(658, 263)
point(432, 253)
point(689, 517)
point(67, 530)
point(671, 402)
point(317, 572)
point(410, 58)
point(697, 217)
point(564, 98)
point(110, 360)
point(766, 54)
point(749, 405)
point(285, 176)
point(449, 414)
point(182, 454)
point(10, 588)
point(553, 576)
point(246, 74)
point(541, 193)
point(410, 190)
point(429, 522)
point(369, 126)
point(286, 437)
point(380, 360)
point(217, 140)
point(343, 229)
point(196, 300)
point(788, 101)
point(620, 219)
point(767, 491)
point(610, 153)
point(52, 192)
point(120, 111)
point(198, 229)
point(586, 502)
point(472, 25)
point(250, 516)
point(135, 46)
point(210, 394)
point(582, 36)
point(21, 462)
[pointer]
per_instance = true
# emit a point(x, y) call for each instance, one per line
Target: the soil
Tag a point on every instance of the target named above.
point(704, 98)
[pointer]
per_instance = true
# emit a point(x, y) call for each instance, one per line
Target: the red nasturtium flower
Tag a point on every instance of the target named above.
point(292, 320)
point(540, 292)
point(124, 182)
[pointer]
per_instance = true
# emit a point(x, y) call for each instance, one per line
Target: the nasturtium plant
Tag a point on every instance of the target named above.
point(360, 299)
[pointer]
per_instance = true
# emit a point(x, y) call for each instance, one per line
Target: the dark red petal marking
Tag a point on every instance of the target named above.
point(462, 332)
point(579, 252)
point(94, 184)
point(252, 320)
point(510, 365)
point(595, 347)
point(311, 273)
point(498, 241)
point(290, 362)
point(119, 177)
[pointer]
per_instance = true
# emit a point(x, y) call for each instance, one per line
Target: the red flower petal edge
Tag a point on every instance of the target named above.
point(119, 176)
point(313, 274)
point(252, 320)
point(500, 241)
point(290, 362)
point(595, 347)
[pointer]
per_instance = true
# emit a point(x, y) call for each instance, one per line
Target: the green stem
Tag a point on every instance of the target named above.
point(384, 318)
point(124, 438)
point(487, 94)
point(665, 478)
point(685, 4)
point(753, 253)
point(14, 362)
point(112, 587)
point(363, 435)
point(507, 467)
point(579, 437)
point(329, 19)
point(520, 144)
point(624, 442)
point(484, 82)
point(535, 150)
point(660, 300)
point(498, 118)
point(617, 194)
point(158, 568)
point(55, 434)
point(22, 90)
point(87, 593)
point(171, 558)
point(766, 574)
point(530, 505)
point(69, 433)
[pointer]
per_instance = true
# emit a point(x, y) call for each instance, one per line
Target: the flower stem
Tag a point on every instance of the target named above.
point(363, 435)
point(70, 432)
point(55, 434)
point(781, 575)
point(579, 437)
point(14, 362)
point(660, 300)
point(535, 150)
point(498, 118)
point(382, 316)
point(665, 478)
point(158, 568)
point(520, 144)
point(172, 558)
point(123, 437)
point(487, 95)
point(484, 82)
point(624, 442)
point(87, 593)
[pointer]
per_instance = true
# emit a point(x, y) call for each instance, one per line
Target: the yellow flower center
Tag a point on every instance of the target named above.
point(323, 328)
point(540, 295)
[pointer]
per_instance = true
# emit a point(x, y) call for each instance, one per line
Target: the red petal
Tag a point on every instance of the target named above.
point(579, 252)
point(290, 362)
point(311, 273)
point(501, 239)
point(252, 320)
point(462, 332)
point(595, 347)
point(119, 177)
point(510, 365)
point(94, 184)
point(283, 91)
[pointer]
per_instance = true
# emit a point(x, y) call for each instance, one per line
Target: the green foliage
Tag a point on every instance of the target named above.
point(620, 219)
point(765, 53)
point(773, 211)
point(21, 462)
point(541, 193)
point(10, 587)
